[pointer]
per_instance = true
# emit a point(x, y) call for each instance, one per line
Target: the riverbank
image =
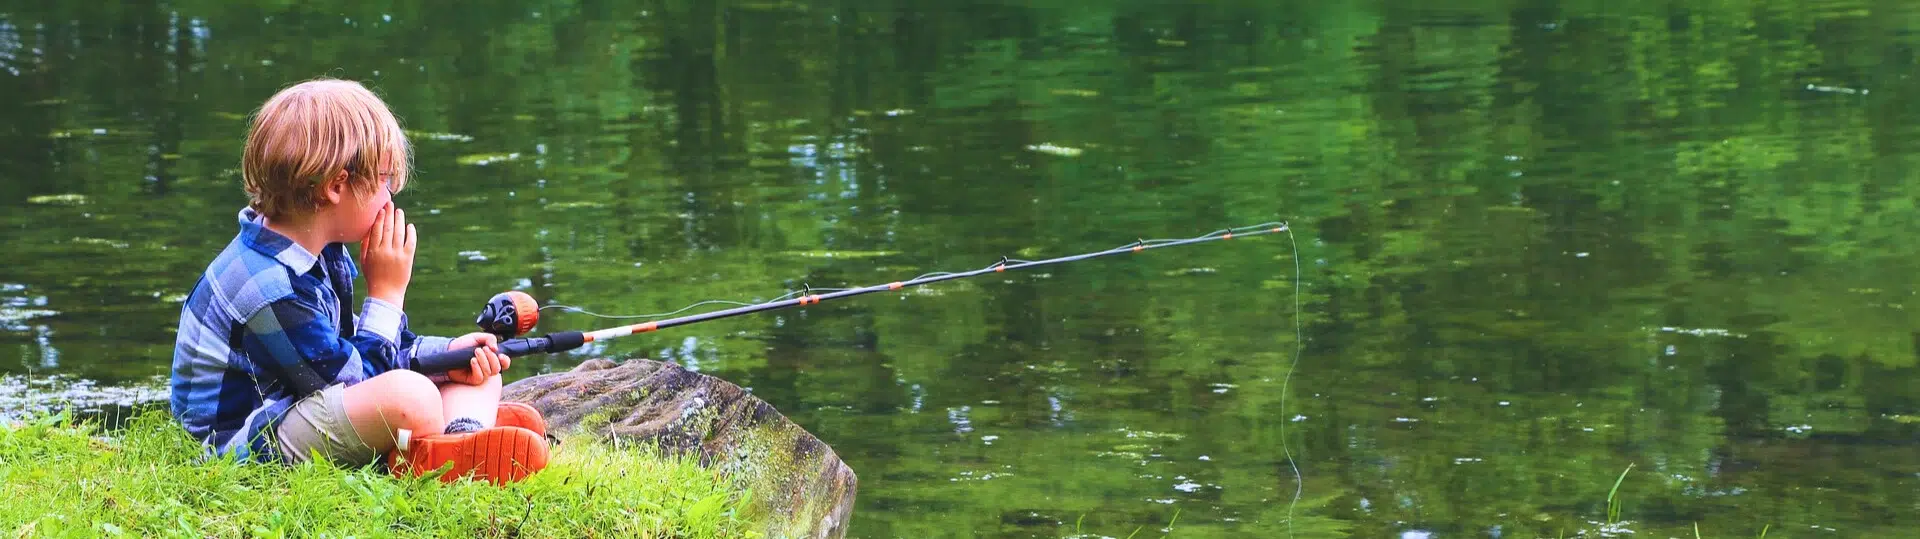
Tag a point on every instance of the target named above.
point(60, 477)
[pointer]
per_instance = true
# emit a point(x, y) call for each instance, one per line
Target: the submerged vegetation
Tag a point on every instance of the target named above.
point(64, 478)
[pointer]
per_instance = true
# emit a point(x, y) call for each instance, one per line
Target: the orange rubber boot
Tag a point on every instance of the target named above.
point(497, 454)
point(519, 414)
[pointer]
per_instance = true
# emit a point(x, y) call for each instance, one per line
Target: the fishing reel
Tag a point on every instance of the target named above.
point(509, 314)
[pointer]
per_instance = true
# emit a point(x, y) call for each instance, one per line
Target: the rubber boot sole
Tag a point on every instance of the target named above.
point(499, 454)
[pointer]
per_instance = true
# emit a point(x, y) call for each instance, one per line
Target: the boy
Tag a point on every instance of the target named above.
point(270, 366)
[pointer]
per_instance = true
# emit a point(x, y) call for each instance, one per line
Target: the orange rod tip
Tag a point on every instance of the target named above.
point(1276, 230)
point(647, 327)
point(1000, 268)
point(1138, 248)
point(896, 285)
point(1228, 236)
point(588, 338)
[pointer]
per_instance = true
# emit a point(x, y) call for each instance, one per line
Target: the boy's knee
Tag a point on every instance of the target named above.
point(378, 407)
point(404, 397)
point(406, 382)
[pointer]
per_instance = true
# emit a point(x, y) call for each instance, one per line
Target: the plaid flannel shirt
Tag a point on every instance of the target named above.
point(263, 328)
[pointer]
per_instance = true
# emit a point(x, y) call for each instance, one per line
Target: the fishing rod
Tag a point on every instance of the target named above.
point(511, 314)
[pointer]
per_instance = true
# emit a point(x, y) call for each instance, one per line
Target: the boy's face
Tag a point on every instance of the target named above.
point(361, 208)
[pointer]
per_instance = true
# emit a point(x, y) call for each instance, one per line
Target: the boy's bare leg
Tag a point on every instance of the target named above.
point(381, 406)
point(479, 402)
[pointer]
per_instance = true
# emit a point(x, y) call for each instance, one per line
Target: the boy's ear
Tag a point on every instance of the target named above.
point(334, 189)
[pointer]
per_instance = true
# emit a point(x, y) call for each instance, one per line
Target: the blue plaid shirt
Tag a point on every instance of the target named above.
point(263, 328)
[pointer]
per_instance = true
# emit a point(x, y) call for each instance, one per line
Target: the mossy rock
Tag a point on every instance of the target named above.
point(799, 484)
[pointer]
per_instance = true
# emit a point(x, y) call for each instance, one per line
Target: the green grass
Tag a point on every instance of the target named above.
point(1613, 499)
point(61, 478)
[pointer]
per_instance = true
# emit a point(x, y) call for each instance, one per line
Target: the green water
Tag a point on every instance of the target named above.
point(1540, 241)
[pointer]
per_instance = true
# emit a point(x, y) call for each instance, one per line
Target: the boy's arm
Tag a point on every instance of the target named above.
point(387, 252)
point(386, 321)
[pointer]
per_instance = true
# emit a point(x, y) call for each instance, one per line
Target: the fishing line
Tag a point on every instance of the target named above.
point(578, 310)
point(1221, 233)
point(1299, 345)
point(782, 297)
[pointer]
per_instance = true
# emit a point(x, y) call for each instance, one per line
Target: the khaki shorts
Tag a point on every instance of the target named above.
point(318, 424)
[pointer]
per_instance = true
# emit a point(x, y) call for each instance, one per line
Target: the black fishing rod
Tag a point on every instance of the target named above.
point(513, 313)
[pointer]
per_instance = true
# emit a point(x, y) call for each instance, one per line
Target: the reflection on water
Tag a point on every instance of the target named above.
point(1541, 241)
point(22, 397)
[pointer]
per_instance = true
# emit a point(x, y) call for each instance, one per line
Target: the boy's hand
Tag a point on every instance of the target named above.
point(487, 360)
point(387, 255)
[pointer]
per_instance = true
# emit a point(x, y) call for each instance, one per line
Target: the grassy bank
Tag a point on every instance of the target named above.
point(59, 478)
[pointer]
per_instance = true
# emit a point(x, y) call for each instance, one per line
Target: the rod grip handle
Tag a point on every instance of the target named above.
point(461, 358)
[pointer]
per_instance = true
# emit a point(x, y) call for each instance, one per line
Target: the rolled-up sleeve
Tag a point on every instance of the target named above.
point(382, 319)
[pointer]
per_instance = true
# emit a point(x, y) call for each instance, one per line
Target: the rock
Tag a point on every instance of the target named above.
point(798, 483)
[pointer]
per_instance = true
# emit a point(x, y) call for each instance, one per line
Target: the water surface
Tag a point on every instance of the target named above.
point(1540, 241)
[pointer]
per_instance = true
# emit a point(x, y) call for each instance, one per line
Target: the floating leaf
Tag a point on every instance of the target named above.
point(1052, 149)
point(452, 137)
point(773, 6)
point(78, 132)
point(10, 315)
point(576, 204)
point(1837, 89)
point(101, 241)
point(484, 159)
point(841, 254)
point(66, 199)
point(1151, 435)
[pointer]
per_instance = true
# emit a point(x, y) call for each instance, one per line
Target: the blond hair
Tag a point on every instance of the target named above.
point(309, 133)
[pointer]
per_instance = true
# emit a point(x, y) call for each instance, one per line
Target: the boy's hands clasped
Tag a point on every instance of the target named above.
point(386, 254)
point(487, 359)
